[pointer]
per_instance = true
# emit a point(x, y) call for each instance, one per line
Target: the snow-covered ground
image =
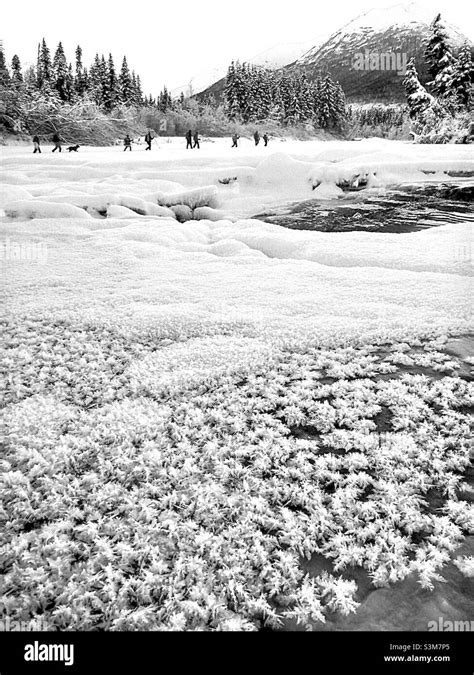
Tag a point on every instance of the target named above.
point(161, 376)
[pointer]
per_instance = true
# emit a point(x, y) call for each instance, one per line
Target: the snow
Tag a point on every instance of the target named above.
point(38, 209)
point(162, 376)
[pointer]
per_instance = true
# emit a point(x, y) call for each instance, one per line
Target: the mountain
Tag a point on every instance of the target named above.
point(368, 56)
point(275, 57)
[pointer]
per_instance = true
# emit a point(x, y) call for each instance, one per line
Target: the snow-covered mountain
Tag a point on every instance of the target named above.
point(368, 55)
point(274, 57)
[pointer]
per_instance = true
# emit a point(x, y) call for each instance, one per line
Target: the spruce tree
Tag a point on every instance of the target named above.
point(463, 77)
point(17, 75)
point(5, 80)
point(437, 48)
point(80, 76)
point(125, 83)
point(96, 90)
point(112, 91)
point(60, 72)
point(44, 67)
point(418, 99)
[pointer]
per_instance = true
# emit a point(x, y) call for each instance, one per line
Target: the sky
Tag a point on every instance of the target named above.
point(170, 42)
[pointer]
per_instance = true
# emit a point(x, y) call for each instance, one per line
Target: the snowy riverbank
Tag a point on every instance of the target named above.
point(194, 406)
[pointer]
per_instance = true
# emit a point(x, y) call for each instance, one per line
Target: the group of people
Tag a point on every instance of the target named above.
point(192, 140)
point(256, 138)
point(56, 140)
point(127, 141)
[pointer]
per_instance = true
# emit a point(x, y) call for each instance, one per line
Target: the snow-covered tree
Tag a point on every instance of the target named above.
point(80, 79)
point(463, 77)
point(17, 75)
point(5, 79)
point(44, 67)
point(60, 73)
point(438, 51)
point(125, 83)
point(112, 93)
point(418, 99)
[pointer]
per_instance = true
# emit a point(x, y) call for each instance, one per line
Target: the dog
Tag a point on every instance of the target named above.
point(73, 148)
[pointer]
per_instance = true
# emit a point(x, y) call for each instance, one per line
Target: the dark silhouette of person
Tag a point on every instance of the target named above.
point(256, 138)
point(36, 143)
point(265, 139)
point(127, 142)
point(196, 140)
point(148, 140)
point(189, 139)
point(235, 138)
point(57, 142)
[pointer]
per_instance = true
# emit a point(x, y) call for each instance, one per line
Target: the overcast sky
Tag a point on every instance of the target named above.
point(169, 42)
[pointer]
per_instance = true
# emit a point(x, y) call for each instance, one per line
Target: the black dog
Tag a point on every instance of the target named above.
point(74, 148)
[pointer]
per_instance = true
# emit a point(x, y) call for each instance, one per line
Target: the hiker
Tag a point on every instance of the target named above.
point(189, 139)
point(256, 138)
point(235, 138)
point(36, 143)
point(127, 142)
point(148, 140)
point(196, 140)
point(265, 139)
point(57, 142)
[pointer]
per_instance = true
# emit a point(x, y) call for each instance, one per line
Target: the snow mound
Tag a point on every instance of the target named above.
point(13, 193)
point(15, 177)
point(40, 209)
point(281, 168)
point(182, 212)
point(231, 248)
point(202, 196)
point(116, 211)
point(207, 213)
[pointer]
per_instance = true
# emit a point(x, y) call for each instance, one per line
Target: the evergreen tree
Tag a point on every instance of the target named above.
point(418, 99)
point(17, 75)
point(5, 80)
point(95, 88)
point(112, 90)
point(44, 67)
point(80, 79)
point(60, 73)
point(231, 93)
point(125, 83)
point(463, 77)
point(437, 49)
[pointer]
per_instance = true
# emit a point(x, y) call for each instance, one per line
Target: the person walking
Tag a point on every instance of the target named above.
point(57, 142)
point(127, 142)
point(265, 139)
point(256, 138)
point(189, 139)
point(36, 143)
point(148, 140)
point(196, 140)
point(235, 138)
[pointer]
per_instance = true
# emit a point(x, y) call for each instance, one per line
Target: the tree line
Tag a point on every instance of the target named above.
point(254, 94)
point(101, 83)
